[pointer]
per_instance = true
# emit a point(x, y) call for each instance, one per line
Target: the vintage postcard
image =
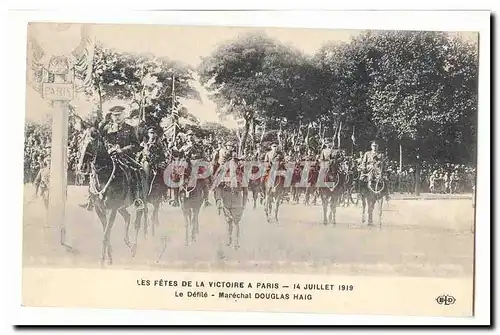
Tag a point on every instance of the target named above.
point(223, 168)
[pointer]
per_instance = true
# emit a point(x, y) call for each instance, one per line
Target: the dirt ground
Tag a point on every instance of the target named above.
point(430, 238)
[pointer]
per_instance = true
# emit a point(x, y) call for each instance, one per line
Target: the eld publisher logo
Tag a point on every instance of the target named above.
point(446, 300)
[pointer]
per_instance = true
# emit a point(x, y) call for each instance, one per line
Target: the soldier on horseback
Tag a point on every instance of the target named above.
point(220, 158)
point(370, 160)
point(152, 157)
point(273, 155)
point(193, 150)
point(122, 144)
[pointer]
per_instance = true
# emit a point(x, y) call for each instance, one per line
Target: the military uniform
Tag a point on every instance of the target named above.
point(152, 157)
point(194, 151)
point(370, 159)
point(273, 156)
point(221, 157)
point(122, 144)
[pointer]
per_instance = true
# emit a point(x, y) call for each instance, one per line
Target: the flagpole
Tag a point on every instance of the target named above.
point(353, 139)
point(174, 113)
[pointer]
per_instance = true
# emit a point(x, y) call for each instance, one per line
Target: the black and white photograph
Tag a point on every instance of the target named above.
point(214, 149)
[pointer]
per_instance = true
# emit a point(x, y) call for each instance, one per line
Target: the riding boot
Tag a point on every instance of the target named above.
point(138, 194)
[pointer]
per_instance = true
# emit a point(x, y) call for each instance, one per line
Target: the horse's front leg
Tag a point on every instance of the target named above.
point(229, 222)
point(267, 205)
point(106, 244)
point(324, 203)
point(126, 217)
point(187, 216)
point(255, 194)
point(237, 215)
point(363, 213)
point(194, 223)
point(333, 209)
point(156, 221)
point(279, 199)
point(371, 206)
point(145, 211)
point(380, 207)
point(137, 224)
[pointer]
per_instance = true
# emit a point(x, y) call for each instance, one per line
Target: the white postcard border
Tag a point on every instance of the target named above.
point(465, 21)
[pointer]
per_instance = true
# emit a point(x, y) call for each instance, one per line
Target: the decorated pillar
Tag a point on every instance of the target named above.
point(59, 65)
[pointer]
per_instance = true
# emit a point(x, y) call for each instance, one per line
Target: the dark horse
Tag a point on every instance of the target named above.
point(156, 192)
point(332, 190)
point(190, 195)
point(373, 189)
point(274, 191)
point(110, 190)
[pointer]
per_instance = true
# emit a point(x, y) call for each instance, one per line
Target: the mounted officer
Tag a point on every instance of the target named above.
point(273, 155)
point(122, 145)
point(152, 157)
point(220, 158)
point(370, 160)
point(193, 151)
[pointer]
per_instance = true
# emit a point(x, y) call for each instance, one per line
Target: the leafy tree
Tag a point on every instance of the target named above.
point(145, 80)
point(252, 79)
point(422, 91)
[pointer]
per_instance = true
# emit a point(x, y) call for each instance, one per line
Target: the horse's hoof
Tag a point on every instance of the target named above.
point(236, 246)
point(102, 261)
point(325, 223)
point(370, 224)
point(134, 250)
point(110, 262)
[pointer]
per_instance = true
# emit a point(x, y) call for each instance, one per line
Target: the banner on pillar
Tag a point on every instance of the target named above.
point(59, 53)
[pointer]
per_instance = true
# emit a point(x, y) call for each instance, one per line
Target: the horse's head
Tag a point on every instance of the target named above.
point(90, 146)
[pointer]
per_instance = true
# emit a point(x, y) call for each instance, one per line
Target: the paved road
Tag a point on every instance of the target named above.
point(418, 238)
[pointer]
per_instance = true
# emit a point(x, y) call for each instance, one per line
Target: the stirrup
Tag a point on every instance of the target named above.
point(88, 206)
point(139, 204)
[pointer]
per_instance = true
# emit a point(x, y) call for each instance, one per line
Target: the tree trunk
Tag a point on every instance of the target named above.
point(99, 111)
point(242, 146)
point(253, 134)
point(400, 157)
point(417, 178)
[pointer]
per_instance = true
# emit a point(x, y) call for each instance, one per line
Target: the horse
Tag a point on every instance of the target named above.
point(110, 190)
point(232, 200)
point(273, 192)
point(350, 184)
point(294, 190)
point(330, 196)
point(372, 191)
point(156, 193)
point(190, 197)
point(255, 186)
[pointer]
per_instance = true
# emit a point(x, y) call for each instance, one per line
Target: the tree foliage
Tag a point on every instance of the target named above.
point(143, 79)
point(417, 89)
